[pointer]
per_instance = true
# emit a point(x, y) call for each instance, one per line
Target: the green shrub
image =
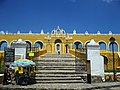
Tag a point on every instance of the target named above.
point(2, 68)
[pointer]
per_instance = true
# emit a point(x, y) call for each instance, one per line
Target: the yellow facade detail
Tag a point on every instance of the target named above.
point(58, 39)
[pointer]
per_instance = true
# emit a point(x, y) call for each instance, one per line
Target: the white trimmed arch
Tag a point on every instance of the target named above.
point(12, 42)
point(77, 41)
point(3, 40)
point(39, 41)
point(53, 32)
point(115, 42)
point(86, 42)
point(29, 42)
point(102, 41)
point(63, 31)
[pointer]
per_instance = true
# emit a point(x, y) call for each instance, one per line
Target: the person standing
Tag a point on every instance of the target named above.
point(5, 75)
point(17, 76)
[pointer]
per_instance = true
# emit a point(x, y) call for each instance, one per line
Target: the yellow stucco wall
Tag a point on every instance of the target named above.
point(61, 38)
point(48, 40)
point(107, 55)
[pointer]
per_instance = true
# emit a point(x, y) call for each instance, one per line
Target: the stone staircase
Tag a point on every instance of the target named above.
point(53, 68)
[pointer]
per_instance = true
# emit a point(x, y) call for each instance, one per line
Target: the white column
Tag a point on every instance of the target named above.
point(96, 61)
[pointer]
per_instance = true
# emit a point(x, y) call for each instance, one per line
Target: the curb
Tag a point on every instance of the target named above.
point(79, 86)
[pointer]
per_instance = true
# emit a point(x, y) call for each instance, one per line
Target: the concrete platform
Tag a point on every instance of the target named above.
point(75, 86)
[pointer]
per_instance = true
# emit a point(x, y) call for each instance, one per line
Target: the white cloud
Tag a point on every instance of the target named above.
point(108, 1)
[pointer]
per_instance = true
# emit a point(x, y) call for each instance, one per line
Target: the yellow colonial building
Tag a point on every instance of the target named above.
point(60, 40)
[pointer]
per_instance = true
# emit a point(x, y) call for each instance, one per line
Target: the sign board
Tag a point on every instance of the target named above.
point(20, 53)
point(9, 55)
point(31, 54)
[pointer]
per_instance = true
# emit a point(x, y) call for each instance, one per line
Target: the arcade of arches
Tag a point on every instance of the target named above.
point(58, 39)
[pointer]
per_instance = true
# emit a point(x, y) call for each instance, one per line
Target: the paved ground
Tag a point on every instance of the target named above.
point(78, 86)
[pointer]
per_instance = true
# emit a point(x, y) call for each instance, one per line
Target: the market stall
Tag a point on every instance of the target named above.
point(26, 69)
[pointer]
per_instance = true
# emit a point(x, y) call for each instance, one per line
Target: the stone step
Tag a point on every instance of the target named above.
point(45, 61)
point(62, 72)
point(56, 56)
point(58, 78)
point(60, 81)
point(70, 62)
point(76, 70)
point(61, 66)
point(55, 63)
point(55, 60)
point(60, 75)
point(52, 71)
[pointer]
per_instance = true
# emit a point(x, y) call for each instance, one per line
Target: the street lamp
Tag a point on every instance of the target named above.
point(112, 40)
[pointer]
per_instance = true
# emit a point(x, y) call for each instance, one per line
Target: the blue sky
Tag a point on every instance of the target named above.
point(82, 15)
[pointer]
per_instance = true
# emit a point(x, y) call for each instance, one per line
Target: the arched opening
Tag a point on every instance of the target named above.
point(3, 44)
point(114, 45)
point(58, 41)
point(58, 31)
point(38, 44)
point(63, 32)
point(87, 43)
point(66, 47)
point(77, 45)
point(11, 44)
point(102, 46)
point(106, 61)
point(53, 32)
point(58, 45)
point(29, 45)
